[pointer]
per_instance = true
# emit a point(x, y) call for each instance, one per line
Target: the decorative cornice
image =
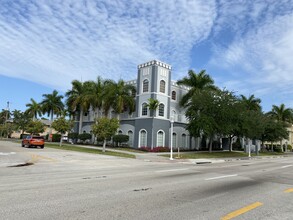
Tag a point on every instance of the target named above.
point(156, 63)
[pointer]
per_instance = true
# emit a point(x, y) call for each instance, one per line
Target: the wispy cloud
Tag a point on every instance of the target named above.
point(54, 42)
point(259, 58)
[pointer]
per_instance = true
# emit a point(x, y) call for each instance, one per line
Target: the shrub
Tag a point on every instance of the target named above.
point(277, 149)
point(160, 149)
point(73, 135)
point(155, 149)
point(289, 147)
point(84, 136)
point(120, 138)
point(56, 137)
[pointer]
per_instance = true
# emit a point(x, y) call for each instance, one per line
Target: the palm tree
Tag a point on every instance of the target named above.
point(96, 96)
point(34, 109)
point(119, 96)
point(251, 103)
point(196, 83)
point(52, 105)
point(282, 114)
point(79, 98)
point(153, 106)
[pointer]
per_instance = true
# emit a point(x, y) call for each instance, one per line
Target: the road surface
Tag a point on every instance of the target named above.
point(58, 184)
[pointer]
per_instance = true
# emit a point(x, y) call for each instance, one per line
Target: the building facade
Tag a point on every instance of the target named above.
point(147, 128)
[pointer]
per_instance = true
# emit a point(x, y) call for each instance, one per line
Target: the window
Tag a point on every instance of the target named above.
point(130, 141)
point(161, 109)
point(174, 115)
point(173, 95)
point(160, 139)
point(143, 138)
point(120, 132)
point(85, 113)
point(174, 139)
point(184, 140)
point(145, 86)
point(162, 86)
point(144, 109)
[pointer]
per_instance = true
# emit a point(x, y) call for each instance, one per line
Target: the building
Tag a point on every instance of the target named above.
point(153, 129)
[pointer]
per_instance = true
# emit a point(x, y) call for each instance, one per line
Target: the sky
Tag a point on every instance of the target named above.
point(246, 46)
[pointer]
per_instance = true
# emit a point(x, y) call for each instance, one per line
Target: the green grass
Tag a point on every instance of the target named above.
point(225, 154)
point(88, 150)
point(128, 149)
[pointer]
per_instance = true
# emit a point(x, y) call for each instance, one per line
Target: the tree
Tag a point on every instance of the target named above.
point(211, 113)
point(35, 127)
point(52, 105)
point(79, 98)
point(251, 103)
point(105, 128)
point(62, 125)
point(196, 83)
point(34, 109)
point(21, 119)
point(274, 131)
point(282, 114)
point(119, 96)
point(96, 96)
point(4, 116)
point(153, 105)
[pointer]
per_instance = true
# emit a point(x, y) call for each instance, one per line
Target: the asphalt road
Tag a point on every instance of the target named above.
point(70, 185)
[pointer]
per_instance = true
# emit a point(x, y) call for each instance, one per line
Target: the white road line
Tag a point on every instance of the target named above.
point(6, 154)
point(174, 170)
point(286, 166)
point(221, 177)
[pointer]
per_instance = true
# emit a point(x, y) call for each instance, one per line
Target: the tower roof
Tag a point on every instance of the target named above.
point(156, 63)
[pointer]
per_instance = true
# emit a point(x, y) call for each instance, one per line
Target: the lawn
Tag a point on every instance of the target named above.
point(89, 150)
point(224, 154)
point(128, 149)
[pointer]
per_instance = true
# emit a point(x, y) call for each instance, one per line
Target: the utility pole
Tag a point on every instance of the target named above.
point(6, 117)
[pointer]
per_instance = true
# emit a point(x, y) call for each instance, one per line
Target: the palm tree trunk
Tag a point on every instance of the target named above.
point(50, 130)
point(80, 120)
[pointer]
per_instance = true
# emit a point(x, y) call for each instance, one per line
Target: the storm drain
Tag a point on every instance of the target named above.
point(22, 165)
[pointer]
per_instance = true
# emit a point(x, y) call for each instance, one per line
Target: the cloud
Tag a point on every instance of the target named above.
point(54, 42)
point(259, 58)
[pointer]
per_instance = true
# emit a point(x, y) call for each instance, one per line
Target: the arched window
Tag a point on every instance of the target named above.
point(142, 138)
point(144, 109)
point(130, 141)
point(174, 140)
point(173, 95)
point(145, 86)
point(162, 86)
point(161, 109)
point(183, 140)
point(174, 115)
point(120, 132)
point(160, 139)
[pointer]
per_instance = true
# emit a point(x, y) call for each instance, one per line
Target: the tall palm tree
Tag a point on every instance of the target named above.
point(34, 109)
point(96, 96)
point(196, 83)
point(78, 98)
point(52, 105)
point(251, 103)
point(153, 105)
point(282, 114)
point(119, 96)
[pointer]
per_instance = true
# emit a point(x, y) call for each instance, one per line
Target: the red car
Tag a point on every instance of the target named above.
point(30, 141)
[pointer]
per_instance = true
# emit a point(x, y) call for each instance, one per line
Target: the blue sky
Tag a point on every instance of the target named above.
point(246, 46)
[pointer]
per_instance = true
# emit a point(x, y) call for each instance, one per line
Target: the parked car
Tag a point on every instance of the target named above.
point(31, 141)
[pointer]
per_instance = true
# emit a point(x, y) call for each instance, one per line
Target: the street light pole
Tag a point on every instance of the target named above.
point(171, 140)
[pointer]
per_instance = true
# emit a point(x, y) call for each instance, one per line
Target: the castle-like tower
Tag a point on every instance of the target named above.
point(147, 128)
